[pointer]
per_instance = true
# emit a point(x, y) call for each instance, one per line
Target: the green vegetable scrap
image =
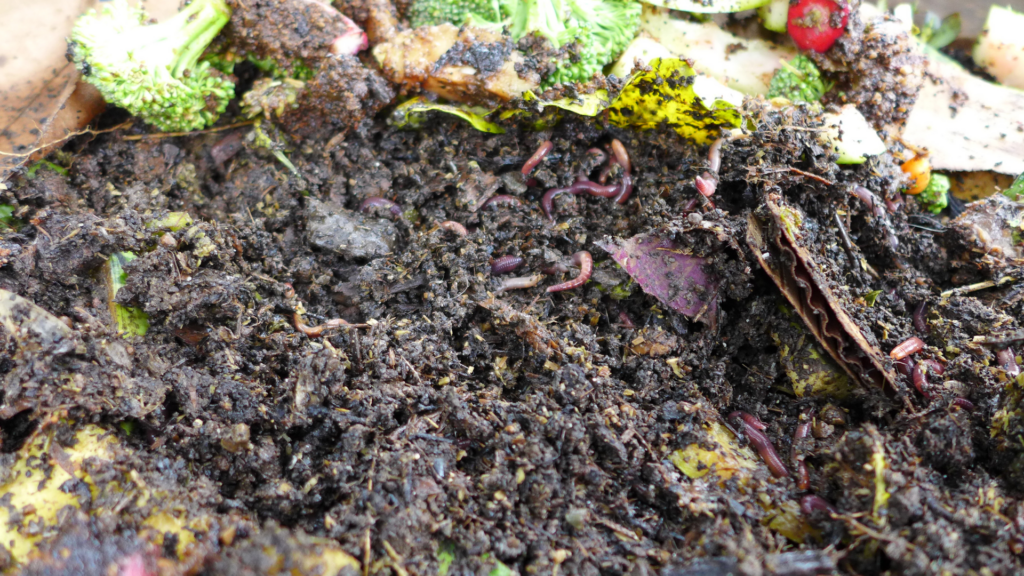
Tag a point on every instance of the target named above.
point(413, 113)
point(1016, 190)
point(595, 31)
point(458, 12)
point(130, 321)
point(939, 32)
point(798, 80)
point(935, 196)
point(153, 70)
point(671, 93)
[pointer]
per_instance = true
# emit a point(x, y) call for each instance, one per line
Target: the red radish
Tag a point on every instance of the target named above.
point(817, 24)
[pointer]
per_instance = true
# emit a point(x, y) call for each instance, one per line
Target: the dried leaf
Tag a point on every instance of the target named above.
point(669, 274)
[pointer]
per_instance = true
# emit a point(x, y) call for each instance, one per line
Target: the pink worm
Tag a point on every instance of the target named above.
point(501, 200)
point(753, 427)
point(519, 282)
point(803, 478)
point(811, 503)
point(378, 202)
point(505, 264)
point(909, 346)
point(585, 261)
point(453, 226)
point(538, 157)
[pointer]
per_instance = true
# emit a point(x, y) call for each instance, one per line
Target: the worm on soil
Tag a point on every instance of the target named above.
point(519, 282)
point(318, 330)
point(378, 202)
point(505, 264)
point(453, 226)
point(964, 403)
point(501, 200)
point(542, 151)
point(585, 262)
point(803, 478)
point(813, 503)
point(753, 427)
point(1008, 361)
point(919, 324)
point(909, 346)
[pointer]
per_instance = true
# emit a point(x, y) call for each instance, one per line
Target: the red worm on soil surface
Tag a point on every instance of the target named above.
point(538, 157)
point(501, 200)
point(753, 427)
point(505, 264)
point(626, 321)
point(453, 226)
point(706, 184)
point(715, 155)
point(909, 346)
point(626, 187)
point(621, 156)
point(964, 403)
point(870, 200)
point(919, 375)
point(378, 202)
point(547, 202)
point(803, 478)
point(812, 503)
point(318, 330)
point(519, 282)
point(585, 261)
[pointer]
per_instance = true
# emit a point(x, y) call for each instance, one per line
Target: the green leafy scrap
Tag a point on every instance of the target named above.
point(413, 113)
point(935, 196)
point(939, 32)
point(671, 94)
point(7, 219)
point(1016, 190)
point(799, 80)
point(130, 321)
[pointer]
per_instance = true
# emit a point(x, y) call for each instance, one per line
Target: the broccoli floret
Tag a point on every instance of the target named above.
point(798, 80)
point(597, 30)
point(935, 196)
point(153, 70)
point(458, 12)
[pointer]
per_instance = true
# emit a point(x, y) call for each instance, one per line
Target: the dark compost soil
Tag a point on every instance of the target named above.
point(457, 421)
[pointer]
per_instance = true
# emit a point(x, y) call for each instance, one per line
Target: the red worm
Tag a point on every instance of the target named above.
point(812, 503)
point(706, 184)
point(626, 321)
point(869, 199)
point(538, 156)
point(904, 366)
point(519, 282)
point(803, 478)
point(753, 427)
point(378, 202)
point(547, 202)
point(963, 403)
point(505, 264)
point(453, 226)
point(501, 200)
point(621, 156)
point(919, 324)
point(1008, 361)
point(315, 331)
point(919, 375)
point(585, 261)
point(715, 155)
point(906, 348)
point(625, 187)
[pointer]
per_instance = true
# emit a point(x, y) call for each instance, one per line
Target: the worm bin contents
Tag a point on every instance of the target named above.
point(596, 287)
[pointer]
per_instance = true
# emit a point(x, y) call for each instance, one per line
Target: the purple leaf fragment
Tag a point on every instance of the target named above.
point(665, 271)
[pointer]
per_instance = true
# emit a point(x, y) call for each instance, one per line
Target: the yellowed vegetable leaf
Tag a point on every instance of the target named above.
point(727, 459)
point(672, 94)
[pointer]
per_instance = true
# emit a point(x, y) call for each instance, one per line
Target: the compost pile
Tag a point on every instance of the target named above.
point(778, 366)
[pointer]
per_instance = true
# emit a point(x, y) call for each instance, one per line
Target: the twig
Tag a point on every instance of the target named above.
point(978, 286)
point(160, 135)
point(68, 137)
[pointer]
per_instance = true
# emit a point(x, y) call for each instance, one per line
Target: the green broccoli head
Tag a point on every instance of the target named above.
point(458, 12)
point(153, 70)
point(798, 80)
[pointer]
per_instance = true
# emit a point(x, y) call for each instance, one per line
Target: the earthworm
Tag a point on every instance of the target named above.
point(626, 187)
point(812, 503)
point(706, 184)
point(753, 427)
point(803, 479)
point(543, 150)
point(378, 202)
point(289, 291)
point(501, 200)
point(626, 321)
point(505, 264)
point(599, 156)
point(894, 205)
point(315, 331)
point(904, 366)
point(585, 261)
point(519, 282)
point(919, 375)
point(556, 268)
point(621, 156)
point(870, 200)
point(715, 155)
point(909, 346)
point(547, 202)
point(453, 226)
point(1008, 361)
point(919, 322)
point(963, 403)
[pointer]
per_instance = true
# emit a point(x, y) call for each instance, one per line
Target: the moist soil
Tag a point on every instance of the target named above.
point(450, 424)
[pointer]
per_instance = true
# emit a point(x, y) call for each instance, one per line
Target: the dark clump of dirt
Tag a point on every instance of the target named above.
point(318, 377)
